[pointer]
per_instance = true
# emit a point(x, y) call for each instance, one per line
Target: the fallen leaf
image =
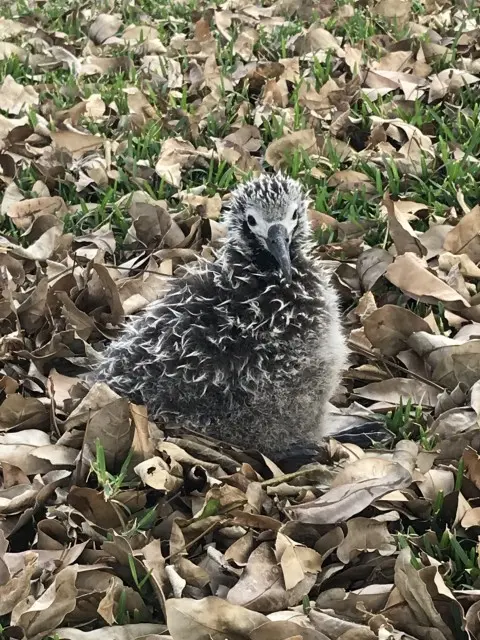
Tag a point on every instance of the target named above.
point(295, 560)
point(449, 80)
point(210, 618)
point(261, 586)
point(399, 11)
point(244, 43)
point(17, 98)
point(397, 390)
point(365, 535)
point(37, 620)
point(117, 632)
point(24, 212)
point(410, 274)
point(349, 180)
point(280, 151)
point(401, 232)
point(285, 630)
point(156, 473)
point(356, 488)
point(17, 587)
point(76, 143)
point(104, 27)
point(175, 155)
point(389, 328)
point(465, 237)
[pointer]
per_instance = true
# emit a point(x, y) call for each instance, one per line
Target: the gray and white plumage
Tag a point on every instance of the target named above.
point(248, 349)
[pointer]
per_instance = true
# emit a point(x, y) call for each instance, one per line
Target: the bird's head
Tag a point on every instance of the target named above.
point(267, 221)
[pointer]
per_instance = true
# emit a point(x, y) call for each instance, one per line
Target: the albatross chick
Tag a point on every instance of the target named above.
point(248, 349)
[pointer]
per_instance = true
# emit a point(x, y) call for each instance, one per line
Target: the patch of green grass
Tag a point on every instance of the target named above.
point(274, 44)
point(408, 422)
point(110, 484)
point(458, 553)
point(452, 122)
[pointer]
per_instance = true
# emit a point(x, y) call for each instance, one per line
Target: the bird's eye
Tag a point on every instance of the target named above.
point(295, 214)
point(251, 221)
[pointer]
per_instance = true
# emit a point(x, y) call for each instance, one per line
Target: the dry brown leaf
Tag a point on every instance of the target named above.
point(17, 587)
point(279, 151)
point(389, 328)
point(93, 507)
point(394, 140)
point(437, 480)
point(349, 180)
point(397, 390)
point(153, 226)
point(78, 320)
point(38, 619)
point(449, 80)
point(210, 618)
point(111, 425)
point(359, 483)
point(410, 274)
point(447, 261)
point(472, 465)
point(20, 412)
point(451, 361)
point(397, 10)
point(244, 43)
point(320, 102)
point(156, 473)
point(401, 232)
point(372, 264)
point(295, 560)
point(465, 237)
point(24, 212)
point(139, 106)
point(143, 446)
point(365, 535)
point(119, 597)
point(175, 155)
point(8, 49)
point(346, 500)
point(261, 586)
point(18, 449)
point(11, 196)
point(417, 588)
point(317, 39)
point(17, 98)
point(118, 632)
point(104, 27)
point(76, 143)
point(286, 630)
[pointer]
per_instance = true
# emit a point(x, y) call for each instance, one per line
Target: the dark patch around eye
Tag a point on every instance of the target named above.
point(251, 221)
point(295, 214)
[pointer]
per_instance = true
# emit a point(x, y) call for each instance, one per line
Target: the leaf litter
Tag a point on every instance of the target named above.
point(122, 129)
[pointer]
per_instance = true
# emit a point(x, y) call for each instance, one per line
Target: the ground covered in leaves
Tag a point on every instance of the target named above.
point(122, 128)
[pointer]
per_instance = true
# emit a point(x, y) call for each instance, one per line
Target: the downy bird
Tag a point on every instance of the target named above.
point(247, 349)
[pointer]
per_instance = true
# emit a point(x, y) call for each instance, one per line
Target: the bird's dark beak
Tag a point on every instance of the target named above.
point(277, 243)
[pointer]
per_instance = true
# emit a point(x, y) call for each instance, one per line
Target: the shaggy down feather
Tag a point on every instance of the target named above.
point(234, 350)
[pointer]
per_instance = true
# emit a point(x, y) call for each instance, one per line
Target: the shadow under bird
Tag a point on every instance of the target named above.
point(248, 349)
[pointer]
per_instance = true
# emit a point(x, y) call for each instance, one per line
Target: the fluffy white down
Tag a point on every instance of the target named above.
point(233, 350)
